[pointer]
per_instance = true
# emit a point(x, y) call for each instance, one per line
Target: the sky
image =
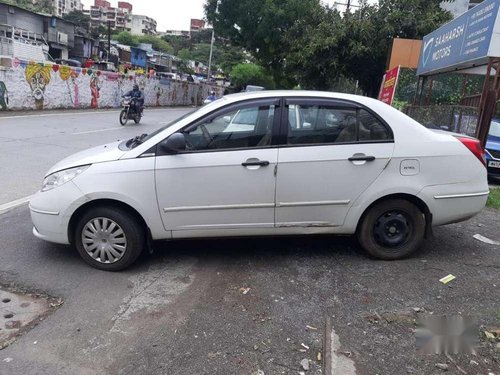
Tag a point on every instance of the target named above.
point(176, 14)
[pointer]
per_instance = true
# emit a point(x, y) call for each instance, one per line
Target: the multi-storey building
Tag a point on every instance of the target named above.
point(142, 25)
point(102, 14)
point(120, 18)
point(62, 7)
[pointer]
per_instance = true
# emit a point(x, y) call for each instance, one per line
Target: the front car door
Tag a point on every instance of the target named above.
point(334, 150)
point(225, 180)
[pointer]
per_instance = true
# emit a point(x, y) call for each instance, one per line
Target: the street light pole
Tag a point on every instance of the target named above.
point(210, 58)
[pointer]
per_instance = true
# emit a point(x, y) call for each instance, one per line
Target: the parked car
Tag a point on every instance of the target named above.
point(493, 149)
point(351, 165)
point(69, 62)
point(104, 66)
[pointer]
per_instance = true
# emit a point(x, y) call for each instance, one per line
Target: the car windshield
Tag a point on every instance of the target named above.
point(134, 142)
point(495, 128)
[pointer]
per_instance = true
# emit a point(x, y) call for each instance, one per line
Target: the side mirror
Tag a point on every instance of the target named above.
point(227, 119)
point(174, 144)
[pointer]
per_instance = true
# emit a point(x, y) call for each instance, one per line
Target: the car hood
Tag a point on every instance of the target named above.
point(493, 143)
point(99, 154)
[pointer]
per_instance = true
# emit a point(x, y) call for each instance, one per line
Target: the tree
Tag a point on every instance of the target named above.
point(158, 43)
point(371, 29)
point(126, 38)
point(259, 27)
point(42, 6)
point(178, 42)
point(250, 74)
point(78, 18)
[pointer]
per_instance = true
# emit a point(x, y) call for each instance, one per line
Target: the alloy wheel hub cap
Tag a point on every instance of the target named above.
point(104, 240)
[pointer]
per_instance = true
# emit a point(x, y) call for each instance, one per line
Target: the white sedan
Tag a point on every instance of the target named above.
point(308, 163)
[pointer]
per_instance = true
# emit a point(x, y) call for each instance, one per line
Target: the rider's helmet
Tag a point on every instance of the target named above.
point(212, 93)
point(136, 87)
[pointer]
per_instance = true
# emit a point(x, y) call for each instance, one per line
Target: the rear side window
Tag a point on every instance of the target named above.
point(323, 124)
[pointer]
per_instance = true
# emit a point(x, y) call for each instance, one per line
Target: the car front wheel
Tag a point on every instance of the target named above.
point(109, 239)
point(392, 229)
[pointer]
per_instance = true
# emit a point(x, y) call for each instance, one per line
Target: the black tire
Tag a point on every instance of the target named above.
point(133, 232)
point(392, 229)
point(137, 118)
point(123, 117)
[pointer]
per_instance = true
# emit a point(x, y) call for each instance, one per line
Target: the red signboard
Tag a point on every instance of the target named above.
point(388, 87)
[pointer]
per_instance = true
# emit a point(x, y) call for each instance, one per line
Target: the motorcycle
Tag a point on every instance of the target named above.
point(129, 112)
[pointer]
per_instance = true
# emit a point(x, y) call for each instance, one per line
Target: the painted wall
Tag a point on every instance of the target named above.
point(45, 86)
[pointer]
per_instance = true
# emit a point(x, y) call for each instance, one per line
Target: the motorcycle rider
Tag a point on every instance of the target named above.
point(137, 96)
point(210, 98)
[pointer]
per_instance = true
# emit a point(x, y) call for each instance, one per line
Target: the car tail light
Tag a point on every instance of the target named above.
point(475, 147)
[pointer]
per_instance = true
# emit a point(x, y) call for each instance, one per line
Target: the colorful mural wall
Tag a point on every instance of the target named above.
point(29, 85)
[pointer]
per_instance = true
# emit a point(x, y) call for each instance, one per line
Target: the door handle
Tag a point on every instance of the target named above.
point(259, 163)
point(361, 157)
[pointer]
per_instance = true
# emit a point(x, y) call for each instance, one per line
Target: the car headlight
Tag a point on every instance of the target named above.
point(60, 178)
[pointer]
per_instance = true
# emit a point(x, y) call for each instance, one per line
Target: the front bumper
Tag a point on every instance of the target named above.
point(51, 212)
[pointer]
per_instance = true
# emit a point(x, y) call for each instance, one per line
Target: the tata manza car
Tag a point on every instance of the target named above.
point(303, 163)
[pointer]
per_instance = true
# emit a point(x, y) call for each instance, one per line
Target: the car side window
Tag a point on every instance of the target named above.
point(370, 128)
point(323, 124)
point(311, 124)
point(237, 128)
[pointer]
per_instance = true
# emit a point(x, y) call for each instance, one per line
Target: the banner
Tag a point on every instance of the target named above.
point(388, 87)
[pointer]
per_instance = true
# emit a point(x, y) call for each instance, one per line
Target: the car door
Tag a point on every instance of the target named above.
point(226, 177)
point(327, 160)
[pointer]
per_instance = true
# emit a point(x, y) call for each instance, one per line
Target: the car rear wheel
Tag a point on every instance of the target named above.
point(392, 229)
point(109, 238)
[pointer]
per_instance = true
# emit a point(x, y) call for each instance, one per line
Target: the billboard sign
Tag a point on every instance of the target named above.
point(464, 40)
point(389, 83)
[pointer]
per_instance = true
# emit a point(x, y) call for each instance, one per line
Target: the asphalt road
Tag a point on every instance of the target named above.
point(30, 144)
point(230, 306)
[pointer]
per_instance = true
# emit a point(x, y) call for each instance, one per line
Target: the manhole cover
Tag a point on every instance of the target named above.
point(20, 311)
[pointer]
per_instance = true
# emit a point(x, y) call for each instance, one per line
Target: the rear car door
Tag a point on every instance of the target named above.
point(333, 151)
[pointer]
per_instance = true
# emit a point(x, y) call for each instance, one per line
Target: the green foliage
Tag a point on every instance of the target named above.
point(126, 38)
point(42, 6)
point(184, 54)
point(78, 18)
point(301, 41)
point(158, 43)
point(177, 42)
point(259, 27)
point(250, 74)
point(494, 202)
point(98, 32)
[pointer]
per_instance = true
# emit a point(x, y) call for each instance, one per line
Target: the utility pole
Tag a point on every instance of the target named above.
point(109, 40)
point(210, 58)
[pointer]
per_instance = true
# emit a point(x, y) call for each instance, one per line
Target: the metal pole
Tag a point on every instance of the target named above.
point(210, 58)
point(109, 40)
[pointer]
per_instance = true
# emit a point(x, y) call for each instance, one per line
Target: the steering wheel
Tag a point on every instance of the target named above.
point(208, 137)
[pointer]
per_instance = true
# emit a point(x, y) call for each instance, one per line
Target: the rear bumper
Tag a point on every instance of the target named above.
point(453, 203)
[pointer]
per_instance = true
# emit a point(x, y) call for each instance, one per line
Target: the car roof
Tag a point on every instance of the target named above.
point(298, 94)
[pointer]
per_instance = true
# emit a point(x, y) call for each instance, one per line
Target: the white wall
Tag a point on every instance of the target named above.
point(35, 86)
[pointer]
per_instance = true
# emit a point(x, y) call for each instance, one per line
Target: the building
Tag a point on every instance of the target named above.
point(197, 25)
point(183, 33)
point(29, 35)
point(120, 18)
point(62, 7)
point(142, 25)
point(459, 7)
point(102, 14)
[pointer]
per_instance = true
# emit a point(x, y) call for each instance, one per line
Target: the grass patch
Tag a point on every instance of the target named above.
point(494, 198)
